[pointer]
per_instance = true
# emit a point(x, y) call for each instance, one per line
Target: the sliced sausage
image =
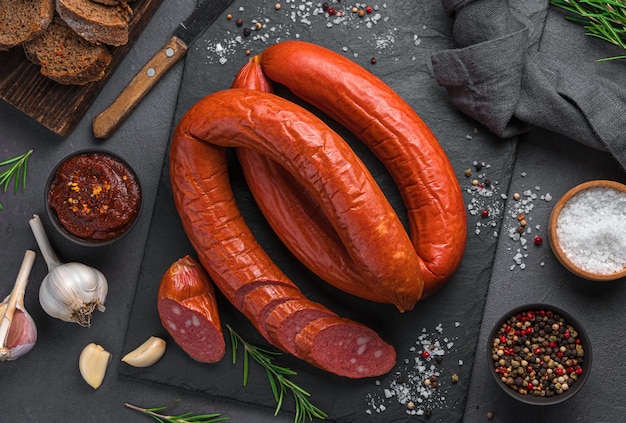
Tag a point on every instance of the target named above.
point(260, 301)
point(188, 310)
point(357, 351)
point(287, 319)
point(204, 200)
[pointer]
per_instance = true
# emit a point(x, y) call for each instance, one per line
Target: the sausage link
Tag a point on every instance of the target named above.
point(324, 165)
point(290, 211)
point(188, 310)
point(379, 117)
point(205, 202)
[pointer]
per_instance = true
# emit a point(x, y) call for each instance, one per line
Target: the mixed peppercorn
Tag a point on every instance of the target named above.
point(538, 353)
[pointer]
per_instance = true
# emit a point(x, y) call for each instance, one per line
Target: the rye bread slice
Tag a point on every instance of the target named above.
point(66, 57)
point(98, 23)
point(23, 20)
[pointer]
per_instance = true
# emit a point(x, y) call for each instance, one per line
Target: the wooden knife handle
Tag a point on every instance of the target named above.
point(112, 117)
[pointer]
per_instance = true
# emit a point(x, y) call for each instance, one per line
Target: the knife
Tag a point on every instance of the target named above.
point(105, 123)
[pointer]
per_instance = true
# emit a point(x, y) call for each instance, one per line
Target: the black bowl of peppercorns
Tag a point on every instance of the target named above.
point(539, 354)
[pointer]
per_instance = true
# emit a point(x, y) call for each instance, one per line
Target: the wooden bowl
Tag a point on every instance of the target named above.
point(554, 238)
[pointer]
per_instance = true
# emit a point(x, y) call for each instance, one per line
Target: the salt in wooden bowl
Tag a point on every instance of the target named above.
point(587, 219)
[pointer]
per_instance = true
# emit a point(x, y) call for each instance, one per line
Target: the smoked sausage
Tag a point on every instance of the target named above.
point(188, 310)
point(226, 247)
point(290, 211)
point(379, 117)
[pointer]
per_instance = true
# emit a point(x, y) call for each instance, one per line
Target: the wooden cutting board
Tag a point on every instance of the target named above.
point(60, 107)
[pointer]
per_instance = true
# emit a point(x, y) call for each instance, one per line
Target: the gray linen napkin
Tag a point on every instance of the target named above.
point(520, 64)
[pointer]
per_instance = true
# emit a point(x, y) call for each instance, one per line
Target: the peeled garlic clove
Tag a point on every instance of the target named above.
point(92, 363)
point(147, 353)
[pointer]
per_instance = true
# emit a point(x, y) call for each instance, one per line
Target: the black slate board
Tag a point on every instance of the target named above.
point(402, 41)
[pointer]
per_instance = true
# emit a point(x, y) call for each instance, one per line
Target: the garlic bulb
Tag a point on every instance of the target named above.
point(18, 332)
point(70, 291)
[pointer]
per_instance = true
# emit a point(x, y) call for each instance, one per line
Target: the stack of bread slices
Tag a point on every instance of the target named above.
point(68, 39)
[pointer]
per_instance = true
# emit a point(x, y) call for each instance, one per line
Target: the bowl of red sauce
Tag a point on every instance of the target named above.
point(539, 354)
point(93, 197)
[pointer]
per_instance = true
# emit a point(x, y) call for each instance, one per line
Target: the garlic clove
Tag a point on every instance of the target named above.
point(18, 332)
point(147, 353)
point(21, 337)
point(93, 363)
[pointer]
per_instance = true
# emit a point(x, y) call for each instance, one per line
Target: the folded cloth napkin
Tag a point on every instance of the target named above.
point(521, 64)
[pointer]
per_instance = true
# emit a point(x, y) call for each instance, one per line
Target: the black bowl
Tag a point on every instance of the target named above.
point(509, 354)
point(121, 167)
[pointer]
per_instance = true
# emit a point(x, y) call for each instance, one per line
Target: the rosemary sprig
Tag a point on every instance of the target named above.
point(181, 418)
point(16, 170)
point(277, 376)
point(604, 19)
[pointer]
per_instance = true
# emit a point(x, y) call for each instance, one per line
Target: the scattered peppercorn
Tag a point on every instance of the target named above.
point(490, 415)
point(538, 240)
point(455, 378)
point(277, 6)
point(229, 16)
point(373, 60)
point(485, 213)
point(468, 172)
point(239, 22)
point(247, 32)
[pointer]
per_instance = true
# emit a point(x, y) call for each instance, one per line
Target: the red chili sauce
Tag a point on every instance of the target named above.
point(95, 196)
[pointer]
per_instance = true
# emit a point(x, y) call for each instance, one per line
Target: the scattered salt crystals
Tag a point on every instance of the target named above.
point(591, 228)
point(267, 25)
point(518, 224)
point(485, 204)
point(420, 386)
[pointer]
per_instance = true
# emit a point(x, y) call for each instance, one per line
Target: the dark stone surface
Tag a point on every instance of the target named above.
point(46, 386)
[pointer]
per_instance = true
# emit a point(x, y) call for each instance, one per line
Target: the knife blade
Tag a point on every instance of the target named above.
point(206, 12)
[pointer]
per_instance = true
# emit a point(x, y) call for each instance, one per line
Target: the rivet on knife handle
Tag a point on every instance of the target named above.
point(112, 117)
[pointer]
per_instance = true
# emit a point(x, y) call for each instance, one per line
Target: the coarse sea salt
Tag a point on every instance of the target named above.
point(591, 229)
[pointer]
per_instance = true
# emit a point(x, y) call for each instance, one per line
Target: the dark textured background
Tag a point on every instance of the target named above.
point(46, 386)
